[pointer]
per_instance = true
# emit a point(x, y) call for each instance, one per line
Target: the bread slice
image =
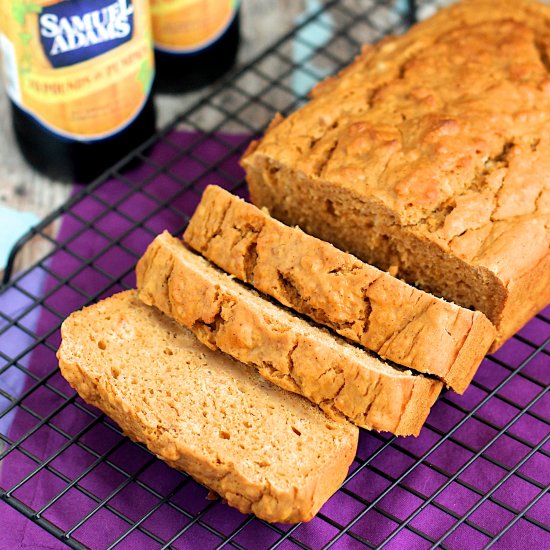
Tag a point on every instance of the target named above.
point(362, 303)
point(264, 450)
point(299, 357)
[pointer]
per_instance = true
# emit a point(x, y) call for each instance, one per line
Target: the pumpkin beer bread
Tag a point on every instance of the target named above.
point(264, 450)
point(342, 379)
point(429, 156)
point(397, 321)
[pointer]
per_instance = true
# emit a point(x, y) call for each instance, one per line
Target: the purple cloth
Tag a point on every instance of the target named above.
point(136, 484)
point(14, 303)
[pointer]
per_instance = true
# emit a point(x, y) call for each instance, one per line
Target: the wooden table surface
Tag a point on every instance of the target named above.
point(22, 189)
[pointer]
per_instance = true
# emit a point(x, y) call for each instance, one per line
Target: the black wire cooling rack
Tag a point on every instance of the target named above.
point(477, 476)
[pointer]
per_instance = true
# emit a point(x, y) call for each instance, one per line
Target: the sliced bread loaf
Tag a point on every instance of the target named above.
point(429, 154)
point(264, 450)
point(292, 353)
point(369, 306)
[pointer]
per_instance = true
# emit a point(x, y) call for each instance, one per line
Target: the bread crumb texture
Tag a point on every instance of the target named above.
point(264, 450)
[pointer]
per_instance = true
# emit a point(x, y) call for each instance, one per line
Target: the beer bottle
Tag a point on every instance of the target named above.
point(78, 74)
point(196, 41)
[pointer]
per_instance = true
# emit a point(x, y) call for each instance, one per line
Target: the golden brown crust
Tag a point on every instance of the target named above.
point(441, 137)
point(286, 350)
point(397, 321)
point(179, 403)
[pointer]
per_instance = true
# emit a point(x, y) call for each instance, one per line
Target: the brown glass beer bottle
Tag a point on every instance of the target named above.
point(196, 41)
point(79, 76)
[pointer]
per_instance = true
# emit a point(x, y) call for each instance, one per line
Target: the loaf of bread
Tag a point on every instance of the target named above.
point(429, 157)
point(342, 379)
point(397, 321)
point(264, 450)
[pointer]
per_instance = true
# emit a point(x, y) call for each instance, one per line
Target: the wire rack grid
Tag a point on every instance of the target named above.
point(476, 477)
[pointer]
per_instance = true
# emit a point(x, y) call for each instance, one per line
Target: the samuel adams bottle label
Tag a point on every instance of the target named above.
point(79, 75)
point(196, 41)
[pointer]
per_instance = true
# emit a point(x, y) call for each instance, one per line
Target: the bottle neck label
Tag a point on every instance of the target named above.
point(82, 68)
point(190, 26)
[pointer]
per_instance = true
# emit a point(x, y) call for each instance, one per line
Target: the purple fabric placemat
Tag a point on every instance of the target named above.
point(136, 484)
point(13, 304)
